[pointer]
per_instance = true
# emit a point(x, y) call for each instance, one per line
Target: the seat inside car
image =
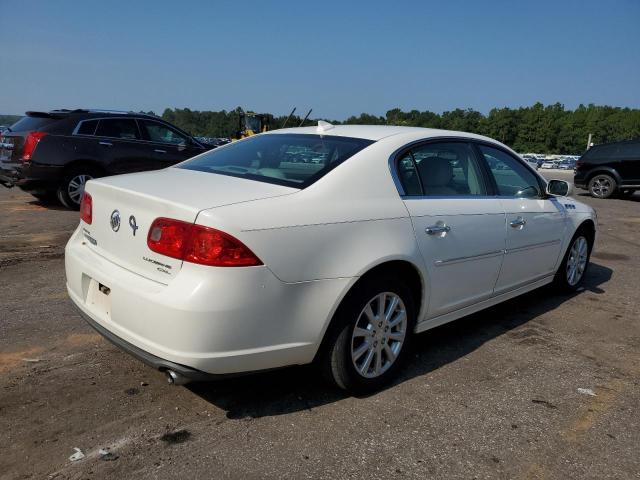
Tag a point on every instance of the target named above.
point(436, 174)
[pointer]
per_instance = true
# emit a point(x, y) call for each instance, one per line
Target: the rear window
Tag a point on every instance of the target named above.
point(294, 160)
point(26, 124)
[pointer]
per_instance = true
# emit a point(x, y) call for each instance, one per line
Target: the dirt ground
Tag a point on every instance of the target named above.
point(494, 395)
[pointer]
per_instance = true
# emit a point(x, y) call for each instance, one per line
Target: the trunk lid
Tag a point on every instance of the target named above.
point(140, 198)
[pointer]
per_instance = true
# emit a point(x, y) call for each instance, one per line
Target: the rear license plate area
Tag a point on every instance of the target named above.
point(99, 299)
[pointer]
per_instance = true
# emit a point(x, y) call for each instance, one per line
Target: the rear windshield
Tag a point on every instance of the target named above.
point(294, 160)
point(31, 123)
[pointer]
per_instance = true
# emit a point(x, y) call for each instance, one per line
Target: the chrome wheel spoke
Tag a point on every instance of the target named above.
point(379, 334)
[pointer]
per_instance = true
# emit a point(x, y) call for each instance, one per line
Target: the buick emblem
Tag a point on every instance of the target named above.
point(133, 224)
point(115, 220)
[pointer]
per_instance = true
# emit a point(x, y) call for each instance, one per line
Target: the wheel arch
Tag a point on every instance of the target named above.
point(401, 268)
point(604, 170)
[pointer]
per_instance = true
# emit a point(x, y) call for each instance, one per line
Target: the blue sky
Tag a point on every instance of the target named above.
point(339, 58)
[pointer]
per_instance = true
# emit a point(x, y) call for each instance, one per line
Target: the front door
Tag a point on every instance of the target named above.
point(119, 145)
point(535, 224)
point(169, 145)
point(460, 229)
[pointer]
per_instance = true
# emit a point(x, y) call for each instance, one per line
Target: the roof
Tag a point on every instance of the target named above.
point(377, 132)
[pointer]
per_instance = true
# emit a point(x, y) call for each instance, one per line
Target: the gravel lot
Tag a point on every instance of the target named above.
point(494, 395)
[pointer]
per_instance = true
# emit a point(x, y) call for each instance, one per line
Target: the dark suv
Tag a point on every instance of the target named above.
point(610, 168)
point(52, 154)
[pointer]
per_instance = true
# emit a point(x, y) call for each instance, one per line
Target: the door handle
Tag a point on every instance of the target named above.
point(438, 229)
point(157, 150)
point(106, 144)
point(518, 223)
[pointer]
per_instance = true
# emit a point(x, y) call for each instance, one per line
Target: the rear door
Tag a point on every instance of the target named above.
point(459, 228)
point(121, 148)
point(535, 224)
point(628, 155)
point(169, 145)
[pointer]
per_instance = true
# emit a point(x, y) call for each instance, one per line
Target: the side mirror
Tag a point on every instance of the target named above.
point(559, 188)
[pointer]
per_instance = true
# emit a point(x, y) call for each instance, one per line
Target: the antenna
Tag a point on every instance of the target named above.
point(324, 126)
point(287, 120)
point(305, 118)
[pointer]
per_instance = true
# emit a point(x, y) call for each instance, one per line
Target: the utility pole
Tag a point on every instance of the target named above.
point(589, 142)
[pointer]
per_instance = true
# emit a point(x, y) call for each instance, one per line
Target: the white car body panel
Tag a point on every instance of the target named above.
point(315, 244)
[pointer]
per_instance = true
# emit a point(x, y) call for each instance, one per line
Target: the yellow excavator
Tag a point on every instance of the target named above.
point(251, 123)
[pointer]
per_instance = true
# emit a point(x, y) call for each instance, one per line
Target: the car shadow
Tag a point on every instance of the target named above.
point(632, 198)
point(301, 388)
point(49, 204)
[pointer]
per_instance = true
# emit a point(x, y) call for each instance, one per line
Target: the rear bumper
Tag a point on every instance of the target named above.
point(32, 178)
point(206, 321)
point(145, 357)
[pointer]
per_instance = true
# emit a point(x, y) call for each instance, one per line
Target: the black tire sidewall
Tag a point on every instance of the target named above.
point(341, 366)
point(561, 275)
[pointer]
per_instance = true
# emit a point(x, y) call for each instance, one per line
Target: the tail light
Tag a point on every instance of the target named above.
point(30, 144)
point(579, 164)
point(198, 244)
point(86, 208)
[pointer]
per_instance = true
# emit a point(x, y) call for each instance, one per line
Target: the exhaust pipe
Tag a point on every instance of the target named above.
point(174, 378)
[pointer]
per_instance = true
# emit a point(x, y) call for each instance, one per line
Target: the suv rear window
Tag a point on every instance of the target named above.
point(27, 124)
point(294, 160)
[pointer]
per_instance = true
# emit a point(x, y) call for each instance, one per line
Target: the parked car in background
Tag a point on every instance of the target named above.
point(3, 128)
point(548, 164)
point(532, 163)
point(53, 154)
point(610, 168)
point(566, 165)
point(328, 244)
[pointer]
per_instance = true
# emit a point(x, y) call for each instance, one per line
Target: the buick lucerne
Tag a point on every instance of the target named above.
point(331, 245)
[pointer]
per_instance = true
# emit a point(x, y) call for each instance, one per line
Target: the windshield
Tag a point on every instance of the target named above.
point(294, 160)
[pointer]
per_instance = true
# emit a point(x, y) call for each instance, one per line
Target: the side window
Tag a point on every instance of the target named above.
point(87, 127)
point(512, 178)
point(118, 128)
point(157, 132)
point(409, 175)
point(441, 169)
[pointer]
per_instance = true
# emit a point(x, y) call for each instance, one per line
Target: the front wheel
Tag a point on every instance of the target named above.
point(571, 273)
point(71, 188)
point(602, 186)
point(371, 335)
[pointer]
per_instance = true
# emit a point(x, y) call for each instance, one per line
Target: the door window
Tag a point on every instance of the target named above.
point(513, 179)
point(441, 169)
point(157, 132)
point(118, 128)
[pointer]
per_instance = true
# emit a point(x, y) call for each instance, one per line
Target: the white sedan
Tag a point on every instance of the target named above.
point(328, 244)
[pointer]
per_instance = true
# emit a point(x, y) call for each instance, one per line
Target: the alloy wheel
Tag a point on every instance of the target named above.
point(379, 334)
point(577, 261)
point(75, 187)
point(601, 186)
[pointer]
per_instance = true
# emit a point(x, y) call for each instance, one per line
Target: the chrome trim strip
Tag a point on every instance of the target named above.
point(532, 246)
point(450, 261)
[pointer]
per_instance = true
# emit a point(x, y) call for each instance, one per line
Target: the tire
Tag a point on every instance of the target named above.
point(72, 185)
point(350, 358)
point(602, 186)
point(577, 255)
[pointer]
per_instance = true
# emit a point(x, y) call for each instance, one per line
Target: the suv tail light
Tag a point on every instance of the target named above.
point(579, 164)
point(198, 244)
point(30, 144)
point(86, 208)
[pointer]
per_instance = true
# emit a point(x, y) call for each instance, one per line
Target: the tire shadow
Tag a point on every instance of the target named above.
point(301, 388)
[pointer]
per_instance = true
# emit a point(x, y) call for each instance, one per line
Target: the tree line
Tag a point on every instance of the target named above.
point(538, 128)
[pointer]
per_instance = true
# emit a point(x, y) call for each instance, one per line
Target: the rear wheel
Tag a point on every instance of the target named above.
point(72, 186)
point(370, 335)
point(602, 186)
point(571, 273)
